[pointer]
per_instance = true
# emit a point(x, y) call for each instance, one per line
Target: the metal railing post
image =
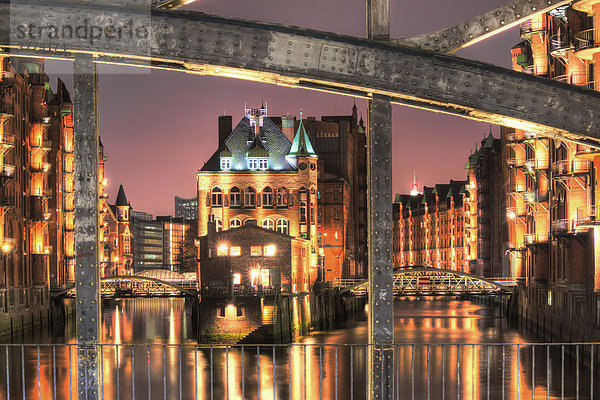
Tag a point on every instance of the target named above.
point(86, 225)
point(379, 184)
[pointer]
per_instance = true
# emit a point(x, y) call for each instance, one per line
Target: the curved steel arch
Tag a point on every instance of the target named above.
point(446, 281)
point(148, 279)
point(291, 56)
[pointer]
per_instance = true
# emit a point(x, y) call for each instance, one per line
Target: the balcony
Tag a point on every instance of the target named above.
point(531, 27)
point(6, 200)
point(514, 162)
point(40, 167)
point(587, 43)
point(560, 44)
point(41, 250)
point(7, 78)
point(41, 192)
point(515, 246)
point(514, 187)
point(7, 142)
point(38, 210)
point(571, 167)
point(535, 164)
point(536, 238)
point(564, 226)
point(7, 171)
point(41, 145)
point(578, 79)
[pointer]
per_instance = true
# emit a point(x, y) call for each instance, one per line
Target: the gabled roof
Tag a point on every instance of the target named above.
point(301, 146)
point(243, 138)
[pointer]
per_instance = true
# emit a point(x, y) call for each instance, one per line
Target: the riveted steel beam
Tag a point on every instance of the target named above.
point(381, 288)
point(204, 44)
point(380, 223)
point(483, 26)
point(86, 226)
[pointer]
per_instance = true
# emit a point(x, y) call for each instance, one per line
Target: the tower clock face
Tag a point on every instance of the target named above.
point(302, 165)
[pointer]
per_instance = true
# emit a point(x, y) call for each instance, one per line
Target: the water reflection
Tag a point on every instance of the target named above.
point(444, 349)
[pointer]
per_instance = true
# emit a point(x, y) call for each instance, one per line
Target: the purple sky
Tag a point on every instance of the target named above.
point(159, 127)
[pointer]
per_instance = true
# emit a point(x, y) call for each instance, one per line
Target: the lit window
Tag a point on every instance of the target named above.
point(269, 250)
point(267, 197)
point(256, 251)
point(264, 275)
point(217, 198)
point(249, 197)
point(237, 279)
point(235, 251)
point(235, 197)
point(268, 223)
point(225, 163)
point(234, 223)
point(282, 225)
point(222, 249)
point(258, 163)
point(254, 277)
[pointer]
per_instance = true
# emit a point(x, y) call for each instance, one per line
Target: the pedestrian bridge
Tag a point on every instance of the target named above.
point(149, 283)
point(430, 281)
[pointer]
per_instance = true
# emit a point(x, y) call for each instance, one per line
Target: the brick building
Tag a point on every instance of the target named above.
point(247, 257)
point(259, 174)
point(36, 195)
point(429, 228)
point(553, 196)
point(115, 235)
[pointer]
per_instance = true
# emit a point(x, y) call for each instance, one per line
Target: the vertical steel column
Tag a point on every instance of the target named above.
point(86, 226)
point(379, 173)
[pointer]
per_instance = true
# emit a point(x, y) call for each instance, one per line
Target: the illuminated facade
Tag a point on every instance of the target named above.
point(430, 228)
point(116, 258)
point(248, 259)
point(186, 208)
point(36, 195)
point(259, 175)
point(484, 208)
point(174, 230)
point(553, 193)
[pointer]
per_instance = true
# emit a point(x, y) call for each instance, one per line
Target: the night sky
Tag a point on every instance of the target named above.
point(158, 127)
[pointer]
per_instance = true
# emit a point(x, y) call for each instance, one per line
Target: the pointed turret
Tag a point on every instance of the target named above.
point(122, 205)
point(301, 146)
point(121, 197)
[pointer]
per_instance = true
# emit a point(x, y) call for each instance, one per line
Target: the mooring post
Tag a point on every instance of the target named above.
point(379, 175)
point(87, 278)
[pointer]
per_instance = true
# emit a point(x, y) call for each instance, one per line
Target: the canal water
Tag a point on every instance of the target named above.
point(444, 348)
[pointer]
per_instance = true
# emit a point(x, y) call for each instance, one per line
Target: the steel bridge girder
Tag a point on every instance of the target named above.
point(280, 54)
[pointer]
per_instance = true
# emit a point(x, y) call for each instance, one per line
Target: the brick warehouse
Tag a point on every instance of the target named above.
point(248, 257)
point(339, 231)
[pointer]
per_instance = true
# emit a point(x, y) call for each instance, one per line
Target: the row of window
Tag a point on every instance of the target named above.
point(255, 251)
point(269, 197)
point(253, 163)
point(281, 226)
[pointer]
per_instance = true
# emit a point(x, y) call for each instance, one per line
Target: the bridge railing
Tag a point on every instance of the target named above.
point(304, 371)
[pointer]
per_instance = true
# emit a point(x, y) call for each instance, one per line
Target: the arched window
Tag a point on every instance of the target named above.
point(235, 197)
point(249, 197)
point(219, 224)
point(234, 223)
point(268, 223)
point(267, 197)
point(282, 197)
point(217, 197)
point(282, 225)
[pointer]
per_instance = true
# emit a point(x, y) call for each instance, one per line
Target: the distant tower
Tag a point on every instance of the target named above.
point(122, 205)
point(414, 189)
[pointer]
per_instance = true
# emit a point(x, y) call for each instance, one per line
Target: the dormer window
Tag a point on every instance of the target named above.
point(256, 163)
point(225, 163)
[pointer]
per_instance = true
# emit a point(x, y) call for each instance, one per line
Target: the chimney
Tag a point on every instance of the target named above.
point(225, 128)
point(287, 126)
